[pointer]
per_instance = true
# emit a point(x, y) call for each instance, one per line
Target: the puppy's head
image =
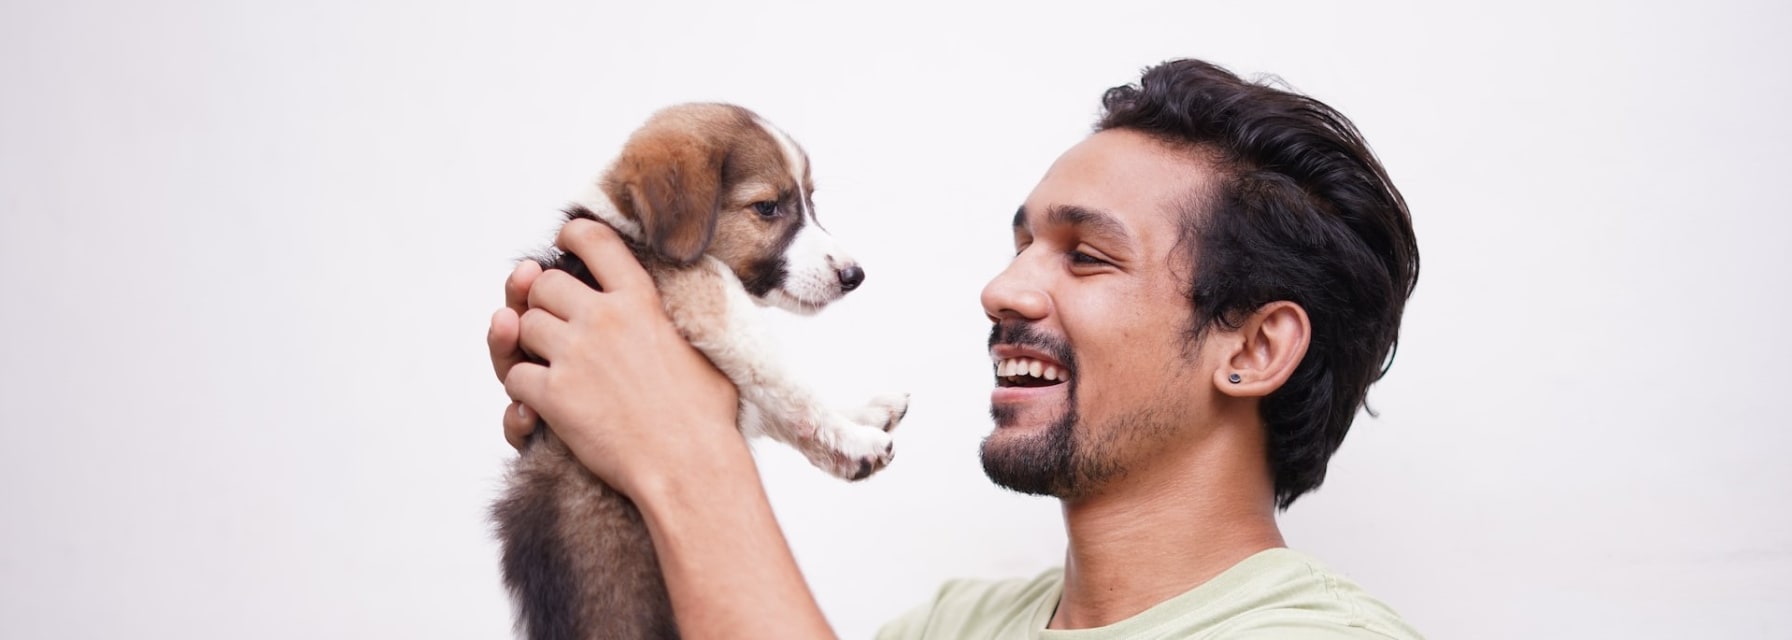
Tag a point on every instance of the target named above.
point(717, 179)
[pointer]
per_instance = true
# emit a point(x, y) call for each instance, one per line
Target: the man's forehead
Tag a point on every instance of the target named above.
point(1115, 177)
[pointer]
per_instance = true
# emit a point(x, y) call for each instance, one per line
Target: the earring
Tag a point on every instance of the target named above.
point(1234, 378)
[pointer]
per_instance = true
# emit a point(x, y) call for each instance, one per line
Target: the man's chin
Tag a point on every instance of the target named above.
point(1030, 457)
point(1011, 419)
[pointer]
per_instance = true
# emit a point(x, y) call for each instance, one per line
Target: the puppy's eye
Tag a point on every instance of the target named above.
point(766, 208)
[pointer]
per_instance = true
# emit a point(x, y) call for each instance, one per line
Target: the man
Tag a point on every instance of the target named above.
point(1201, 294)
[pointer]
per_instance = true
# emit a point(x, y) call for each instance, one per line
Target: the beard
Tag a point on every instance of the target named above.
point(1069, 459)
point(1053, 462)
point(1040, 464)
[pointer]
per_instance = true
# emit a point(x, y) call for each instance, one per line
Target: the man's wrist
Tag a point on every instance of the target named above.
point(708, 467)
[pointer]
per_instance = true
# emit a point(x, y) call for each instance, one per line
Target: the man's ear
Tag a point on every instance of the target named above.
point(1265, 351)
point(669, 179)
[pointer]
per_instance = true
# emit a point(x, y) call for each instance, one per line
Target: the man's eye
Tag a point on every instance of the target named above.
point(766, 209)
point(1079, 257)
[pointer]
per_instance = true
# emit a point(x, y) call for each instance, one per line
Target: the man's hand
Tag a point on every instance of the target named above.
point(501, 338)
point(618, 376)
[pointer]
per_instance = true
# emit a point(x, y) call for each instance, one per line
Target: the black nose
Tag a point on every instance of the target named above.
point(850, 277)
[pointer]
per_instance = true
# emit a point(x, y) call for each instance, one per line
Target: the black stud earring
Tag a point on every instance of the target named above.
point(1234, 378)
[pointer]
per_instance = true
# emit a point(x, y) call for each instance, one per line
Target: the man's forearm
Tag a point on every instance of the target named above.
point(727, 565)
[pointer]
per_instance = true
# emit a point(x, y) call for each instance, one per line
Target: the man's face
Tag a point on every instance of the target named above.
point(1094, 298)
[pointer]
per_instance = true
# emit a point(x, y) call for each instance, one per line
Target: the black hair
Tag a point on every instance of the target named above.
point(1304, 213)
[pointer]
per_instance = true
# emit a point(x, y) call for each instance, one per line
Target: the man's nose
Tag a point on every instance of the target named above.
point(1015, 294)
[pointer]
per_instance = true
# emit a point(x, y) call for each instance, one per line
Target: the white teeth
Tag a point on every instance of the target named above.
point(1030, 367)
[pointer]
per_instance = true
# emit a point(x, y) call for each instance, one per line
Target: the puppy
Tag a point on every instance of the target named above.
point(716, 204)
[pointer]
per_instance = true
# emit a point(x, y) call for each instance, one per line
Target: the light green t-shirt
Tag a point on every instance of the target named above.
point(1277, 593)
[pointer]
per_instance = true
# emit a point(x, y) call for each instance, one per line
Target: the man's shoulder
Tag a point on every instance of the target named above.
point(1004, 593)
point(986, 608)
point(1277, 593)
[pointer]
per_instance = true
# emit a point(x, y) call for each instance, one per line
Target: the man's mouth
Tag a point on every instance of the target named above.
point(1028, 372)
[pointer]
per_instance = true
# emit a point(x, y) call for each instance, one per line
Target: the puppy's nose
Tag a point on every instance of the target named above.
point(850, 277)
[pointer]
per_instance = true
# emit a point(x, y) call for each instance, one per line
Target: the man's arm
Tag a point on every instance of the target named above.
point(647, 413)
point(727, 565)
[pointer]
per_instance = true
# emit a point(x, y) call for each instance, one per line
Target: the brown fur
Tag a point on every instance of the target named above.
point(691, 164)
point(577, 556)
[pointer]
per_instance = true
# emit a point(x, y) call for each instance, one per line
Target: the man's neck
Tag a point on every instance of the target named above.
point(1159, 532)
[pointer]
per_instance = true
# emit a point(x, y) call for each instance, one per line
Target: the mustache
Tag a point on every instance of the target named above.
point(1020, 333)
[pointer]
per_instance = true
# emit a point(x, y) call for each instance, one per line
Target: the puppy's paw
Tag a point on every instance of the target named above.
point(851, 451)
point(883, 411)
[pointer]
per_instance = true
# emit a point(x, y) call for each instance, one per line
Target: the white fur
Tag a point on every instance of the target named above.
point(849, 444)
point(814, 259)
point(812, 272)
point(594, 199)
point(793, 158)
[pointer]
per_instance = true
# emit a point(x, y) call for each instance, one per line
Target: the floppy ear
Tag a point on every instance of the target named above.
point(669, 179)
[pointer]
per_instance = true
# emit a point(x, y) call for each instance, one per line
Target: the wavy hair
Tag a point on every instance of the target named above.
point(1304, 213)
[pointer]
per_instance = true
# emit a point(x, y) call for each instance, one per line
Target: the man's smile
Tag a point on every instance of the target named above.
point(1028, 372)
point(1024, 375)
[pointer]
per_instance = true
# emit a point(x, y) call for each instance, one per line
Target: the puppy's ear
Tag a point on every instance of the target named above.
point(669, 179)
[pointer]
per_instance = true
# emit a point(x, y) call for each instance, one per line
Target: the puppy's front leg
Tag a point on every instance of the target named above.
point(713, 311)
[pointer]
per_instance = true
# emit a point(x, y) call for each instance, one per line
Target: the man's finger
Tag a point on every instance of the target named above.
point(542, 334)
point(502, 338)
point(519, 422)
point(614, 266)
point(516, 287)
point(561, 294)
point(527, 383)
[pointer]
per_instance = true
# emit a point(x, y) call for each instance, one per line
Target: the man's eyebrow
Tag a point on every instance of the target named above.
point(1092, 221)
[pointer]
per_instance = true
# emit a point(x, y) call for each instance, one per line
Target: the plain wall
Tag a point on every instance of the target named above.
point(248, 252)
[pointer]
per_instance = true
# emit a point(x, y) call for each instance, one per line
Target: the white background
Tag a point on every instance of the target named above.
point(248, 252)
